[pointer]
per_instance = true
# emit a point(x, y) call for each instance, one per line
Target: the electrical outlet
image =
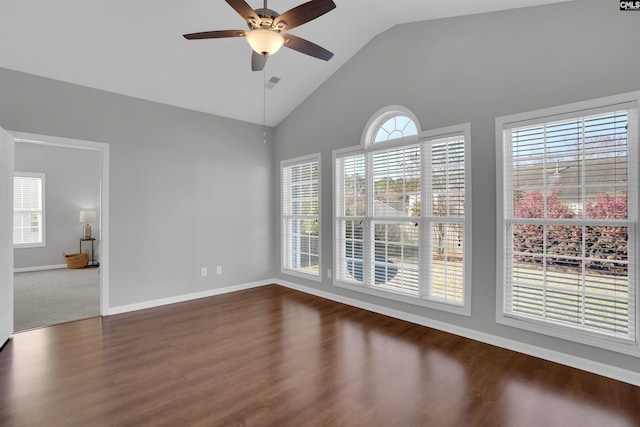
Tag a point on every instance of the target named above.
point(203, 271)
point(329, 273)
point(219, 270)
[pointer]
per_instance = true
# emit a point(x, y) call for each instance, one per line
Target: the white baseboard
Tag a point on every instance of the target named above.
point(188, 297)
point(39, 268)
point(624, 375)
point(598, 368)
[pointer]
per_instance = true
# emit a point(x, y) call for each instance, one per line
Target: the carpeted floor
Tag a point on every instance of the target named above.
point(44, 298)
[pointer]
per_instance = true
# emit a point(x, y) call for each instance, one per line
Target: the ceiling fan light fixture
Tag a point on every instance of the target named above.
point(265, 26)
point(265, 42)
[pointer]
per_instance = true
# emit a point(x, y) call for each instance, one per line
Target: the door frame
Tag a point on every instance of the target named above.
point(103, 149)
point(7, 158)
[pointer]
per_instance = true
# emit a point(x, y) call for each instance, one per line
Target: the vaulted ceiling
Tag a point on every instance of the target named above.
point(136, 48)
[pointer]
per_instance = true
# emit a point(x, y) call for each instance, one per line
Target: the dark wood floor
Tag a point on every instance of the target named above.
point(275, 357)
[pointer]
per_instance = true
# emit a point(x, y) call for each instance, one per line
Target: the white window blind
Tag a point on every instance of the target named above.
point(28, 209)
point(301, 216)
point(400, 219)
point(570, 223)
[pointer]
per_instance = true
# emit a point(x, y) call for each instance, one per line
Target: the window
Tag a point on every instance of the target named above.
point(397, 126)
point(568, 227)
point(301, 217)
point(389, 123)
point(28, 209)
point(401, 215)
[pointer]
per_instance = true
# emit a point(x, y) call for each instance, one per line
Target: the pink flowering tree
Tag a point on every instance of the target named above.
point(604, 245)
point(528, 239)
point(607, 244)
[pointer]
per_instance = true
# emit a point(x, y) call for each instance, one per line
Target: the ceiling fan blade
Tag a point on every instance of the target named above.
point(215, 34)
point(244, 10)
point(258, 61)
point(306, 47)
point(303, 13)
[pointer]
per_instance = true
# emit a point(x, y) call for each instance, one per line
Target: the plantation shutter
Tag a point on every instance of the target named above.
point(570, 220)
point(400, 218)
point(301, 216)
point(447, 210)
point(394, 223)
point(350, 205)
point(27, 209)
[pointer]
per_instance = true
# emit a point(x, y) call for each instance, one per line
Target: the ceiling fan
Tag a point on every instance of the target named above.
point(266, 25)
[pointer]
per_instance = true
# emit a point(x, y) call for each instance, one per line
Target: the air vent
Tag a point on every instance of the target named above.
point(272, 82)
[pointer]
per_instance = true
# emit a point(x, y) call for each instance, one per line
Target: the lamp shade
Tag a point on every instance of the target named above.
point(87, 216)
point(265, 42)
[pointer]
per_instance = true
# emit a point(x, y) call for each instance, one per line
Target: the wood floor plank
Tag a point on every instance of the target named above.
point(272, 356)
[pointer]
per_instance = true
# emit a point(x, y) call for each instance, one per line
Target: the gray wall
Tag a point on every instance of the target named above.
point(191, 189)
point(72, 183)
point(187, 189)
point(469, 69)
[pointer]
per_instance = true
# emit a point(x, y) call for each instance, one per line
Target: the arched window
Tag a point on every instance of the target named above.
point(390, 123)
point(396, 127)
point(401, 212)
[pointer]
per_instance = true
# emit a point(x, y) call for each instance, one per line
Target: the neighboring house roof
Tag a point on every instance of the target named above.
point(382, 209)
point(599, 175)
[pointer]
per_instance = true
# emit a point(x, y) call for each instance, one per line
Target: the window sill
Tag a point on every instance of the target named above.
point(463, 310)
point(619, 345)
point(302, 275)
point(29, 245)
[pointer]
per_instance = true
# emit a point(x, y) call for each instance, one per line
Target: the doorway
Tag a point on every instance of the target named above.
point(81, 176)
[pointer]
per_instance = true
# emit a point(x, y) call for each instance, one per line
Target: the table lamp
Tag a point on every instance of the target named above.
point(87, 217)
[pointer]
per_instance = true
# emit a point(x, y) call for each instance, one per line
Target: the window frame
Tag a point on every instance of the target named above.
point(284, 232)
point(380, 117)
point(557, 330)
point(43, 241)
point(368, 146)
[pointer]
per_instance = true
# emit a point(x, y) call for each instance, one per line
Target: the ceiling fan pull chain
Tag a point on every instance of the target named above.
point(264, 104)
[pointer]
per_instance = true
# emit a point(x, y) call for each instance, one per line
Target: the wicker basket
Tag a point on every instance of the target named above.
point(80, 260)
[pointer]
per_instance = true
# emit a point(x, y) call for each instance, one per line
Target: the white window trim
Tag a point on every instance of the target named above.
point(292, 162)
point(43, 242)
point(380, 117)
point(464, 129)
point(564, 332)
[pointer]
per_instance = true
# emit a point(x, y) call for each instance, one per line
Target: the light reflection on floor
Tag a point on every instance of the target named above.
point(527, 403)
point(307, 362)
